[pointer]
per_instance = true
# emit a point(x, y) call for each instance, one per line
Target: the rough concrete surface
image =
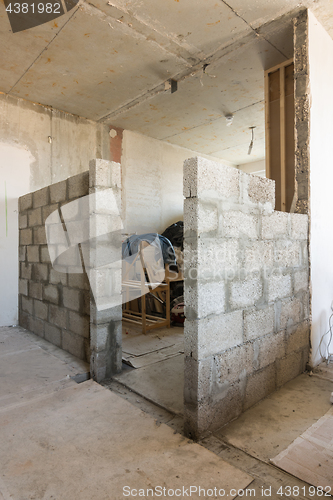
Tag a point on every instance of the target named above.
point(84, 442)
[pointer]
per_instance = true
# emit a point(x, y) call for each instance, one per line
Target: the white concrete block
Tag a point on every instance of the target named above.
point(301, 281)
point(279, 286)
point(236, 224)
point(299, 226)
point(258, 322)
point(275, 225)
point(258, 255)
point(218, 333)
point(246, 292)
point(288, 253)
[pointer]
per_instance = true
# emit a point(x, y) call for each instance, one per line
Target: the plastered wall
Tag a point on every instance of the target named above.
point(38, 146)
point(246, 293)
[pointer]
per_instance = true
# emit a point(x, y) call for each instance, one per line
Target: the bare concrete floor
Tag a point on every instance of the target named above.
point(66, 441)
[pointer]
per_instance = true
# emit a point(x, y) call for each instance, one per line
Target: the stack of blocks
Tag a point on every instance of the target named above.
point(246, 293)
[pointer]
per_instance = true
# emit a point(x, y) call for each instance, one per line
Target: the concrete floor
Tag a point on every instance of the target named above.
point(62, 440)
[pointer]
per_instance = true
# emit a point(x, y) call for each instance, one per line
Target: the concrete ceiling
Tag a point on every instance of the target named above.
point(109, 60)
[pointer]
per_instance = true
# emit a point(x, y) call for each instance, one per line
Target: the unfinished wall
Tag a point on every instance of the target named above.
point(38, 146)
point(246, 293)
point(52, 304)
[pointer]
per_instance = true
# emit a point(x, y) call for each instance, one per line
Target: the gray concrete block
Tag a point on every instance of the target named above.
point(291, 310)
point(25, 202)
point(210, 300)
point(79, 281)
point(258, 322)
point(51, 294)
point(100, 173)
point(98, 365)
point(289, 368)
point(79, 324)
point(237, 224)
point(40, 272)
point(27, 304)
point(204, 177)
point(35, 290)
point(246, 292)
point(197, 379)
point(23, 319)
point(53, 335)
point(23, 221)
point(258, 255)
point(33, 253)
point(218, 333)
point(35, 217)
point(270, 348)
point(301, 281)
point(25, 271)
point(199, 216)
point(72, 298)
point(299, 226)
point(279, 286)
point(298, 337)
point(23, 287)
point(260, 190)
point(288, 253)
point(22, 253)
point(99, 335)
point(214, 260)
point(275, 225)
point(57, 277)
point(36, 326)
point(25, 236)
point(48, 210)
point(58, 316)
point(78, 185)
point(86, 306)
point(40, 197)
point(39, 237)
point(259, 385)
point(74, 344)
point(232, 366)
point(58, 192)
point(41, 310)
point(44, 254)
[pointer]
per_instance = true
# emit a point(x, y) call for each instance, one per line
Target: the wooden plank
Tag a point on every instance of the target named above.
point(283, 139)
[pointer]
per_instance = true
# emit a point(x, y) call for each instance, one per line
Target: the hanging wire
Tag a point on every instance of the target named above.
point(252, 140)
point(329, 331)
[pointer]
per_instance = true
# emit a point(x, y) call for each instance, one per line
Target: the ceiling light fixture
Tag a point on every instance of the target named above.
point(229, 118)
point(252, 140)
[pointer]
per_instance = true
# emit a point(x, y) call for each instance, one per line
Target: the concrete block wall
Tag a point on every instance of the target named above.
point(54, 305)
point(246, 293)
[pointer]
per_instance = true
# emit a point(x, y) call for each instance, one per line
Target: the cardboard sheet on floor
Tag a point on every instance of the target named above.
point(144, 344)
point(153, 357)
point(310, 457)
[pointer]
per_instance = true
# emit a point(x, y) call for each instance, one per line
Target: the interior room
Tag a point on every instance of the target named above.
point(165, 248)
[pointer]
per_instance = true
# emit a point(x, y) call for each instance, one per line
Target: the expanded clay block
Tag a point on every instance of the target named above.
point(258, 255)
point(99, 336)
point(270, 348)
point(289, 367)
point(33, 253)
point(79, 324)
point(40, 197)
point(288, 253)
point(291, 310)
point(260, 190)
point(36, 326)
point(35, 217)
point(218, 333)
point(298, 337)
point(204, 177)
point(299, 226)
point(78, 185)
point(58, 316)
point(25, 202)
point(53, 334)
point(275, 225)
point(23, 287)
point(35, 290)
point(25, 236)
point(247, 292)
point(258, 322)
point(71, 298)
point(41, 309)
point(301, 281)
point(279, 286)
point(200, 216)
point(73, 343)
point(236, 224)
point(233, 364)
point(259, 385)
point(58, 192)
point(197, 379)
point(51, 294)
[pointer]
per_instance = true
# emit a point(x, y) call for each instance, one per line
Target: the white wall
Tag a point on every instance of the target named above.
point(152, 180)
point(15, 165)
point(28, 161)
point(254, 168)
point(321, 180)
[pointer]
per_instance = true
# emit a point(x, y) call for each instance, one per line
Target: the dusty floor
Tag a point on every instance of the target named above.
point(251, 441)
point(62, 440)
